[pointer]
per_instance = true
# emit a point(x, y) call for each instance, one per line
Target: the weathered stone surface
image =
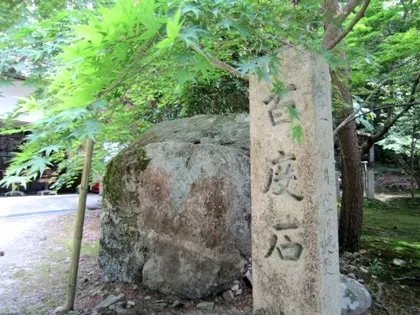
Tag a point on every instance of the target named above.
point(124, 311)
point(111, 299)
point(238, 292)
point(294, 217)
point(231, 130)
point(352, 275)
point(161, 304)
point(228, 295)
point(176, 214)
point(355, 299)
point(61, 310)
point(205, 306)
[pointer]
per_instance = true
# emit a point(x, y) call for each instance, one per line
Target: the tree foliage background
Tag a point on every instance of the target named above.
point(114, 70)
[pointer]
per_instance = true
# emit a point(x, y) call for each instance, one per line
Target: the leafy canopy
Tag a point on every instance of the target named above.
point(383, 53)
point(148, 43)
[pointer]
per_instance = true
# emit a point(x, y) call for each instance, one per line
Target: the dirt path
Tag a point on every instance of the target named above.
point(389, 196)
point(34, 270)
point(25, 246)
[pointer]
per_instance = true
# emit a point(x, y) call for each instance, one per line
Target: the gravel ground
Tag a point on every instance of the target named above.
point(34, 271)
point(24, 244)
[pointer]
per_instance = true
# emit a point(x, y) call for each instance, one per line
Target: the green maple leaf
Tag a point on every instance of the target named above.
point(293, 112)
point(297, 133)
point(39, 164)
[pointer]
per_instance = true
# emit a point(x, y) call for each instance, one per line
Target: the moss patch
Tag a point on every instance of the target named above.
point(391, 230)
point(147, 138)
point(133, 159)
point(21, 275)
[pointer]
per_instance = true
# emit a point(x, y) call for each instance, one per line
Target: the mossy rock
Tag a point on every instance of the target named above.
point(176, 207)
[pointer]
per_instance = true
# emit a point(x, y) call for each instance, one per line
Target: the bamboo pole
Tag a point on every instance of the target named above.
point(78, 229)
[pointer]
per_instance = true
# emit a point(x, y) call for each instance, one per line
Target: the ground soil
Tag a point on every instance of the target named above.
point(393, 182)
point(34, 270)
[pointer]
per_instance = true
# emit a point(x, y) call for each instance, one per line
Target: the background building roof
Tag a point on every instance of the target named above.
point(9, 98)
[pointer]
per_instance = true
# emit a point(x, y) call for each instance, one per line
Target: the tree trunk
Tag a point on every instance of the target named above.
point(351, 216)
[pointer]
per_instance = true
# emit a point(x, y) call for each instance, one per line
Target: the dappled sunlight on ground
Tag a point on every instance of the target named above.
point(391, 247)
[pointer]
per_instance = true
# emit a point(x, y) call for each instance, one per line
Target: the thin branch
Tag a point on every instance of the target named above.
point(414, 88)
point(376, 90)
point(220, 64)
point(355, 116)
point(347, 10)
point(356, 19)
point(385, 81)
point(390, 122)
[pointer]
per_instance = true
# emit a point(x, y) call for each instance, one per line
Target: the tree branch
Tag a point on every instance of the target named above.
point(411, 102)
point(347, 10)
point(385, 81)
point(356, 19)
point(385, 128)
point(414, 88)
point(375, 90)
point(389, 123)
point(220, 64)
point(355, 116)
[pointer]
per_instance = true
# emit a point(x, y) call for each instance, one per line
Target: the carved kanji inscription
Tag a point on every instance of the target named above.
point(286, 251)
point(326, 176)
point(280, 174)
point(290, 251)
point(277, 112)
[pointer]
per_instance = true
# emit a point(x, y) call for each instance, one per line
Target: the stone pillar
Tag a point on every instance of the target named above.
point(365, 178)
point(294, 215)
point(370, 194)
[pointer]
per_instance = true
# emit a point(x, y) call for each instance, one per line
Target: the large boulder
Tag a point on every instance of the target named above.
point(176, 207)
